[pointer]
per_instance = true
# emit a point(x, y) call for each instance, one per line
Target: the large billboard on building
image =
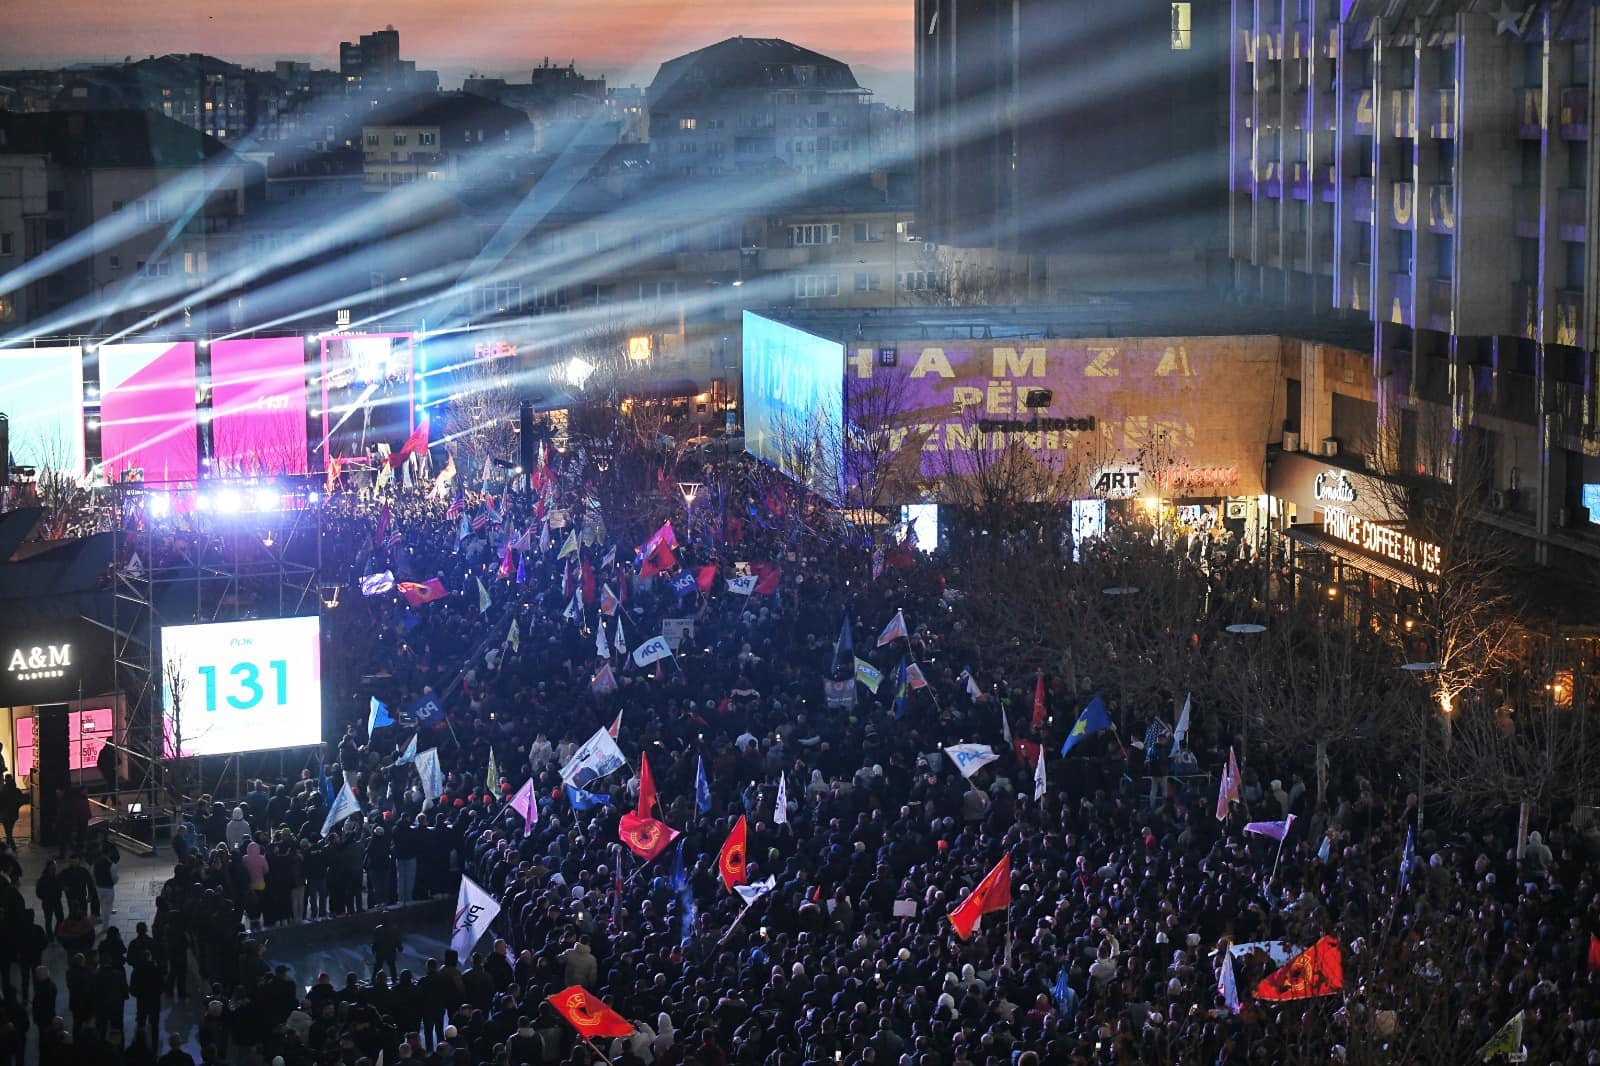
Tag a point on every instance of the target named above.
point(366, 391)
point(794, 401)
point(258, 406)
point(41, 391)
point(148, 418)
point(1167, 417)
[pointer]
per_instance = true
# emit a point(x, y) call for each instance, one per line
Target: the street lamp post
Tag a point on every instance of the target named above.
point(1246, 629)
point(1422, 748)
point(690, 490)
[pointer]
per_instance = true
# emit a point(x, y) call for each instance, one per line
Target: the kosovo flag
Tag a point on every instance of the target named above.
point(1092, 720)
point(902, 689)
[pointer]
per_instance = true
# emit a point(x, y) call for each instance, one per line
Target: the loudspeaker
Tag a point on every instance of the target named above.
point(525, 441)
point(52, 774)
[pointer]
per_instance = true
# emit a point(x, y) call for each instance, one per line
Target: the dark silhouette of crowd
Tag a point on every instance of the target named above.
point(1125, 897)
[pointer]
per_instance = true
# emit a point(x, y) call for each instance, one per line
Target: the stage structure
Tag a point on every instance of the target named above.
point(228, 550)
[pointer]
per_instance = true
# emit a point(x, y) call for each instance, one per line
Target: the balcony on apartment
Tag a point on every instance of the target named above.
point(1530, 113)
point(1572, 206)
point(1575, 113)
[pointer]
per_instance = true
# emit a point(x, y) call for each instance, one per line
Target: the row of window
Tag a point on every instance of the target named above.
point(399, 140)
point(811, 233)
point(513, 298)
point(823, 286)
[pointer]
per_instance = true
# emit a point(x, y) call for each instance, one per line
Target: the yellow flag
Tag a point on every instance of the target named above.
point(483, 597)
point(1508, 1041)
point(513, 637)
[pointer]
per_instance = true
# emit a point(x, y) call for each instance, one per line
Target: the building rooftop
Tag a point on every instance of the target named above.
point(1142, 315)
point(443, 109)
point(748, 63)
point(108, 139)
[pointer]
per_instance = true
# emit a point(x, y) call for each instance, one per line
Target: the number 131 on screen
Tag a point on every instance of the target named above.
point(244, 685)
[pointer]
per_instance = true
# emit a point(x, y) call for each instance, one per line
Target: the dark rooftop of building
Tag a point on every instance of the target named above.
point(1140, 315)
point(445, 110)
point(109, 139)
point(743, 63)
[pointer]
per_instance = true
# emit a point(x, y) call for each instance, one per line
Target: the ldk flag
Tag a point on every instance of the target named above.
point(992, 894)
point(588, 1015)
point(731, 860)
point(475, 910)
point(1316, 971)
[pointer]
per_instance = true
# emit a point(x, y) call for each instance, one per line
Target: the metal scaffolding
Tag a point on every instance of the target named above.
point(229, 550)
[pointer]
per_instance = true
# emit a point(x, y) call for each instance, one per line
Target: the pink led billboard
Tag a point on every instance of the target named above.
point(258, 406)
point(147, 411)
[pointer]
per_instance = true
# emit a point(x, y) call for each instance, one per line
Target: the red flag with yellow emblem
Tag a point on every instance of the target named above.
point(645, 837)
point(1316, 971)
point(732, 859)
point(588, 1015)
point(647, 787)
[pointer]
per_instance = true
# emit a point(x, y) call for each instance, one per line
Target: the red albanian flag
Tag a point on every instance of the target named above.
point(426, 592)
point(416, 444)
point(992, 894)
point(732, 859)
point(1594, 952)
point(588, 1015)
point(645, 837)
point(1039, 711)
point(1316, 971)
point(647, 785)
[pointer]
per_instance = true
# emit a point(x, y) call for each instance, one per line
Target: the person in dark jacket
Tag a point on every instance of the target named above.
point(49, 892)
point(386, 946)
point(110, 993)
point(12, 800)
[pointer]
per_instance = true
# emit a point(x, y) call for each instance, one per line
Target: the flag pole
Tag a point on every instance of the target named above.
point(597, 1051)
point(1008, 936)
point(735, 924)
point(1275, 859)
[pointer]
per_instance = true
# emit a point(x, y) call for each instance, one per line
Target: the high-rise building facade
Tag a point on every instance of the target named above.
point(1090, 132)
point(1433, 174)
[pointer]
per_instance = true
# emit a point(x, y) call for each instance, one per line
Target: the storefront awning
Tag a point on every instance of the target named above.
point(1313, 538)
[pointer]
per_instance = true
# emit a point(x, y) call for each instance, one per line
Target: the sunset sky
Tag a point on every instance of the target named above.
point(622, 39)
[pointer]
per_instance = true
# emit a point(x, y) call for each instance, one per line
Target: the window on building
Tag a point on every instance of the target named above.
point(372, 140)
point(868, 233)
point(55, 200)
point(1527, 261)
point(399, 140)
point(686, 123)
point(1577, 166)
point(815, 286)
point(6, 244)
point(1444, 257)
point(918, 280)
point(813, 233)
point(499, 298)
point(151, 210)
point(114, 261)
point(1575, 264)
point(1182, 27)
point(866, 282)
point(427, 138)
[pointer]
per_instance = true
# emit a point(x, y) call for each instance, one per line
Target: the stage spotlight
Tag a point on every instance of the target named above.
point(229, 501)
point(202, 502)
point(311, 498)
point(577, 371)
point(160, 506)
point(266, 499)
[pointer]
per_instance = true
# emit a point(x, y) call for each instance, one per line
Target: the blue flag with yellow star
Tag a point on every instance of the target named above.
point(1092, 720)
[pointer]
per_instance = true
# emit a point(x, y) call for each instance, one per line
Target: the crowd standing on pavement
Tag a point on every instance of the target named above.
point(1124, 899)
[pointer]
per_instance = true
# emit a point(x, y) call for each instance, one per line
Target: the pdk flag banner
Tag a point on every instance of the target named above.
point(526, 803)
point(589, 1016)
point(1316, 971)
point(970, 758)
point(742, 586)
point(731, 860)
point(652, 650)
point(645, 837)
point(426, 592)
point(475, 911)
point(992, 894)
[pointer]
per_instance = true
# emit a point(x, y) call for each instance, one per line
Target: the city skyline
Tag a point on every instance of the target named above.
point(491, 37)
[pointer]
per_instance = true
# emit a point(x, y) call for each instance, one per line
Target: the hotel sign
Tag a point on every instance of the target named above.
point(1385, 542)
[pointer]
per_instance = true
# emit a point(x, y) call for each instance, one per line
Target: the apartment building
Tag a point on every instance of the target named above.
point(1431, 171)
point(133, 180)
point(752, 104)
point(452, 137)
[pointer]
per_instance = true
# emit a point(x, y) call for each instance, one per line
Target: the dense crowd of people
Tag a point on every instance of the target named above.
point(1128, 888)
